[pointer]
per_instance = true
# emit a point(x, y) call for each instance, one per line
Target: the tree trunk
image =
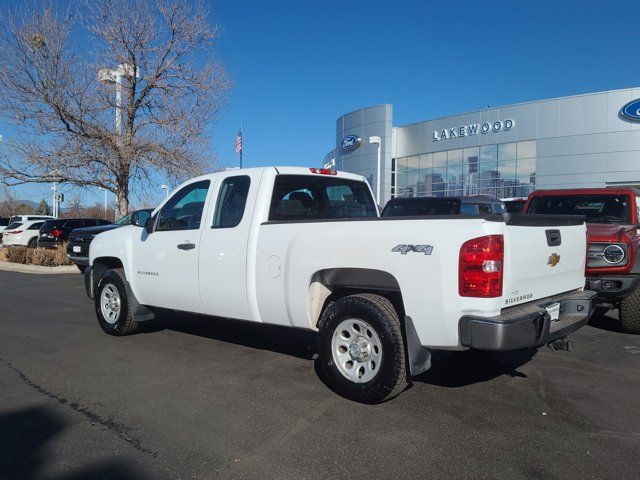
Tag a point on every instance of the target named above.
point(122, 195)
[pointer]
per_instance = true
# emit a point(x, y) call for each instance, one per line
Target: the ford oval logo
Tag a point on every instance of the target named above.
point(350, 142)
point(631, 111)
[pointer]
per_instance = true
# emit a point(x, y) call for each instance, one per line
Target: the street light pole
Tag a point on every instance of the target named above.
point(166, 190)
point(105, 201)
point(378, 141)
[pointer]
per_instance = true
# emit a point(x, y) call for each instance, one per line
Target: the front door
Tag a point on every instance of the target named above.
point(165, 262)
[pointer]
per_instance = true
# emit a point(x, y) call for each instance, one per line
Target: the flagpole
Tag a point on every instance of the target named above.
point(241, 145)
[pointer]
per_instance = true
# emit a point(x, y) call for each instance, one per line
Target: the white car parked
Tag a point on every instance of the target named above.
point(23, 234)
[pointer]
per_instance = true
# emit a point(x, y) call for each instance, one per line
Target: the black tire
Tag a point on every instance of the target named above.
point(82, 268)
point(391, 377)
point(33, 243)
point(629, 312)
point(124, 324)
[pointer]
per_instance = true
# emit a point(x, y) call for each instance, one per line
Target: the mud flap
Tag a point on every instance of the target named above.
point(418, 356)
point(139, 313)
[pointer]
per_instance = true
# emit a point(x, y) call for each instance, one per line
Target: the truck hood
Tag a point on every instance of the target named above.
point(599, 232)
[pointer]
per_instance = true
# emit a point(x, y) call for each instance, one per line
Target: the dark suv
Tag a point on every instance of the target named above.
point(421, 206)
point(80, 238)
point(54, 232)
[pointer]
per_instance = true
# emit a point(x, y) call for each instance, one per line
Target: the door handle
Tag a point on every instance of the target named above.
point(186, 246)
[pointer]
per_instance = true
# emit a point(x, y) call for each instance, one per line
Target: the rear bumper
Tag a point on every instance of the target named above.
point(612, 286)
point(47, 243)
point(529, 325)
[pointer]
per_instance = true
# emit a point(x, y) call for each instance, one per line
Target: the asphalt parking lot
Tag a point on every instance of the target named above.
point(196, 397)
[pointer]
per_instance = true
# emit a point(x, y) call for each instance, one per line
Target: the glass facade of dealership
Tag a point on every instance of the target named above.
point(504, 170)
point(568, 142)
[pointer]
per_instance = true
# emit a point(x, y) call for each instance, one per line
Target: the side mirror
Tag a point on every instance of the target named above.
point(140, 217)
point(148, 225)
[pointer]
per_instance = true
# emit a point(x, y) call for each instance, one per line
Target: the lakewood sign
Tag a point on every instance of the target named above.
point(473, 129)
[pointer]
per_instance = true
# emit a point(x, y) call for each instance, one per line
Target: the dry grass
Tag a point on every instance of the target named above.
point(47, 257)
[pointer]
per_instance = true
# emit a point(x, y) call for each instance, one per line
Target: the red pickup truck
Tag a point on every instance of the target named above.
point(613, 256)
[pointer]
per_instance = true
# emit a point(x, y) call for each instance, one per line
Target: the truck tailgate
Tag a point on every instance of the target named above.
point(544, 256)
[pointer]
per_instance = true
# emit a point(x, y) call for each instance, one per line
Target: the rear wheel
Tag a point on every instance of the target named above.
point(361, 348)
point(629, 312)
point(33, 243)
point(112, 305)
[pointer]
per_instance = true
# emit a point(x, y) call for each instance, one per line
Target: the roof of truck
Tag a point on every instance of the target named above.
point(286, 170)
point(588, 191)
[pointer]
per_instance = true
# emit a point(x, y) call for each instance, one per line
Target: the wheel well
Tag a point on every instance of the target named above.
point(102, 264)
point(329, 285)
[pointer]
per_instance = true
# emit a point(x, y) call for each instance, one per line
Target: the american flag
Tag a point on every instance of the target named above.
point(239, 142)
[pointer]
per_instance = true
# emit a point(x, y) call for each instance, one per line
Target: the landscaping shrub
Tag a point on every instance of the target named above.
point(17, 254)
point(47, 257)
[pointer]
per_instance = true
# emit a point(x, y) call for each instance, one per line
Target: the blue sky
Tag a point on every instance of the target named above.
point(298, 65)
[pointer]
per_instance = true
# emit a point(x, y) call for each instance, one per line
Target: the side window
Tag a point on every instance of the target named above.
point(232, 200)
point(468, 209)
point(73, 224)
point(35, 226)
point(184, 209)
point(484, 208)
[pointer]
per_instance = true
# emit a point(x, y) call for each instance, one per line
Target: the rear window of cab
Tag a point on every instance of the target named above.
point(306, 197)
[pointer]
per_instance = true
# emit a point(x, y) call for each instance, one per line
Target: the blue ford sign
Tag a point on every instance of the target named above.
point(350, 142)
point(631, 111)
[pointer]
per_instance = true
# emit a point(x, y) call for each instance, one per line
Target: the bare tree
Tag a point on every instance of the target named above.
point(157, 53)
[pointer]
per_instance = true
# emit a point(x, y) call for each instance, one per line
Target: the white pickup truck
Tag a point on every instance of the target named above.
point(305, 248)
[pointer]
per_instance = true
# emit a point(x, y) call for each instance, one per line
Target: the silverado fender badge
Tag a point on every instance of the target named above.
point(554, 259)
point(404, 249)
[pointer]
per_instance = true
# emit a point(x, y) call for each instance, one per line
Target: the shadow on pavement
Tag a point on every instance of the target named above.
point(458, 369)
point(26, 437)
point(602, 319)
point(448, 369)
point(289, 341)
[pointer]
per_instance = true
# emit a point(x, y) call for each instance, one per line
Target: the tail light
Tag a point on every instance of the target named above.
point(323, 171)
point(15, 232)
point(56, 232)
point(481, 267)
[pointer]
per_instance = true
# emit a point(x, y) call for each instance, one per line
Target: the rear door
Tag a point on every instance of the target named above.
point(223, 251)
point(544, 255)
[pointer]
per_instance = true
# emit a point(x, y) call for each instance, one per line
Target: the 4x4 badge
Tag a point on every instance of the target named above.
point(404, 249)
point(554, 259)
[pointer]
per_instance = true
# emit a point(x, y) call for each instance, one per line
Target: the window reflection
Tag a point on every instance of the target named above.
point(505, 170)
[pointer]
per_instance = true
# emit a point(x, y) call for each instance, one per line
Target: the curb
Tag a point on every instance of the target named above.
point(37, 269)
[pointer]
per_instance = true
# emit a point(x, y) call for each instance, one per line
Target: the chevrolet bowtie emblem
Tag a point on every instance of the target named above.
point(554, 259)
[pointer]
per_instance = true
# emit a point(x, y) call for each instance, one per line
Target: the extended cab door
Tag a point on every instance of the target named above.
point(165, 262)
point(223, 251)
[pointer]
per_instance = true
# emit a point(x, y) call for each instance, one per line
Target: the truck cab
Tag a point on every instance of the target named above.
point(613, 262)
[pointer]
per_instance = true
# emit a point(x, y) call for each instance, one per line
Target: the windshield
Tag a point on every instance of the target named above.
point(126, 220)
point(597, 208)
point(416, 207)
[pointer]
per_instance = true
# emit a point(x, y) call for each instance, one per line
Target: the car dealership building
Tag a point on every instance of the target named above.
point(579, 141)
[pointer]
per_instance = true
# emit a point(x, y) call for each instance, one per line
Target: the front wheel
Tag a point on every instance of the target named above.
point(361, 348)
point(112, 305)
point(629, 312)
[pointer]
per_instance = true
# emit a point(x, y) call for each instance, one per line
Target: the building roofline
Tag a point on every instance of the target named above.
point(513, 105)
point(366, 108)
